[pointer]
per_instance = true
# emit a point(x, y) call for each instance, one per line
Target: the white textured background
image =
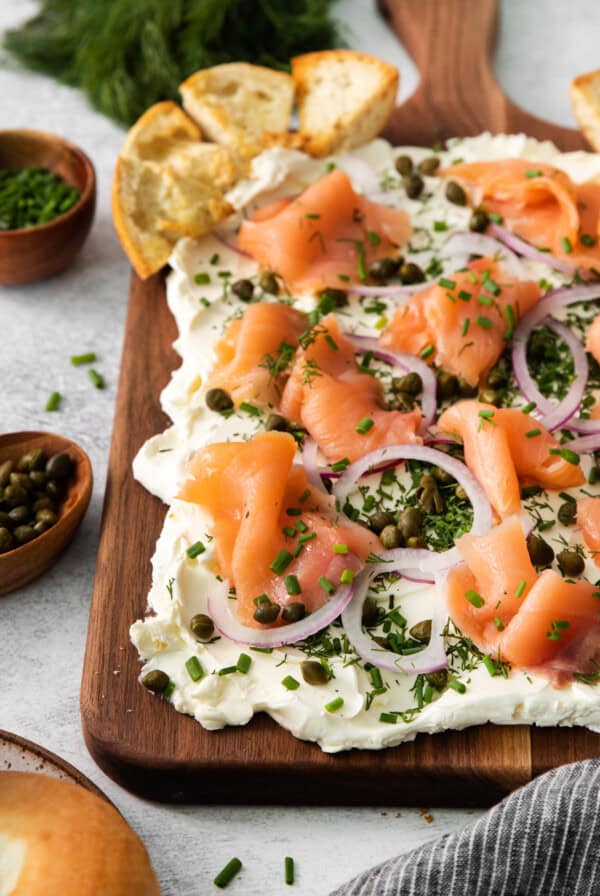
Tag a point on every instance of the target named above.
point(542, 45)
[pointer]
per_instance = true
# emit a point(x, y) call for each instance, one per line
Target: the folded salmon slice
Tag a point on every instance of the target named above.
point(592, 342)
point(504, 446)
point(588, 519)
point(327, 236)
point(253, 491)
point(465, 318)
point(539, 203)
point(330, 396)
point(254, 354)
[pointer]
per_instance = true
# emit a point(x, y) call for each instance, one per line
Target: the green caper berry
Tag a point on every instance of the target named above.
point(370, 612)
point(384, 268)
point(6, 469)
point(540, 552)
point(20, 514)
point(6, 540)
point(243, 289)
point(41, 526)
point(32, 460)
point(43, 503)
point(266, 613)
point(59, 466)
point(411, 273)
point(421, 631)
point(21, 479)
point(570, 563)
point(276, 422)
point(447, 385)
point(379, 520)
point(156, 681)
point(455, 193)
point(313, 672)
point(429, 165)
point(268, 282)
point(337, 296)
point(391, 537)
point(442, 476)
point(479, 220)
point(202, 627)
point(46, 516)
point(489, 396)
point(413, 184)
point(5, 520)
point(404, 165)
point(410, 521)
point(437, 680)
point(38, 478)
point(15, 495)
point(497, 378)
point(23, 534)
point(411, 383)
point(402, 402)
point(55, 489)
point(218, 400)
point(416, 541)
point(567, 513)
point(465, 389)
point(460, 493)
point(293, 612)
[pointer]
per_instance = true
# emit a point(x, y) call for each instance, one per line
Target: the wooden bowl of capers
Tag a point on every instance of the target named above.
point(45, 488)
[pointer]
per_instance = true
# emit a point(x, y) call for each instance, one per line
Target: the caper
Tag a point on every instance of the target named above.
point(410, 383)
point(41, 526)
point(5, 520)
point(384, 268)
point(276, 422)
point(370, 612)
point(466, 389)
point(455, 193)
point(536, 348)
point(6, 469)
point(337, 297)
point(313, 672)
point(404, 165)
point(460, 493)
point(416, 541)
point(540, 552)
point(20, 514)
point(437, 680)
point(567, 513)
point(268, 282)
point(570, 563)
point(411, 273)
point(413, 184)
point(379, 520)
point(243, 289)
point(23, 534)
point(21, 479)
point(55, 489)
point(38, 479)
point(421, 631)
point(293, 612)
point(497, 377)
point(33, 460)
point(6, 540)
point(442, 476)
point(489, 396)
point(447, 385)
point(59, 466)
point(45, 515)
point(429, 165)
point(479, 220)
point(43, 503)
point(156, 681)
point(402, 402)
point(391, 537)
point(410, 521)
point(218, 400)
point(266, 613)
point(429, 493)
point(15, 495)
point(202, 627)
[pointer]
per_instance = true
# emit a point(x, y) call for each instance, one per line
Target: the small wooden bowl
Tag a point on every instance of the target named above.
point(23, 564)
point(34, 253)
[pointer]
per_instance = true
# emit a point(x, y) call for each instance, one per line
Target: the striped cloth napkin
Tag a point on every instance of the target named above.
point(542, 840)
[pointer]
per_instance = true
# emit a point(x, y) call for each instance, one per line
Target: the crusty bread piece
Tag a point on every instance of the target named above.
point(236, 103)
point(57, 838)
point(161, 128)
point(344, 98)
point(585, 101)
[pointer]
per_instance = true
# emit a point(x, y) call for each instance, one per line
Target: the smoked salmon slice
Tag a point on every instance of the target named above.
point(341, 406)
point(503, 446)
point(588, 519)
point(326, 237)
point(254, 492)
point(463, 323)
point(253, 356)
point(592, 342)
point(539, 203)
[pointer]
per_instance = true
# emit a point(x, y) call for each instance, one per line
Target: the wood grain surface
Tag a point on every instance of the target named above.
point(139, 740)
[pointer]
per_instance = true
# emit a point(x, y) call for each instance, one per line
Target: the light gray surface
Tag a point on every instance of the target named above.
point(542, 45)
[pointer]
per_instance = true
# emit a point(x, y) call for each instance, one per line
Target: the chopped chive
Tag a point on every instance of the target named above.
point(457, 686)
point(344, 278)
point(299, 546)
point(465, 326)
point(53, 402)
point(227, 874)
point(228, 670)
point(446, 284)
point(203, 301)
point(451, 298)
point(389, 718)
point(485, 300)
point(304, 496)
point(301, 526)
point(288, 868)
point(561, 624)
point(312, 215)
point(440, 226)
point(498, 623)
point(553, 636)
point(363, 427)
point(281, 562)
point(308, 536)
point(566, 497)
point(327, 585)
point(331, 342)
point(289, 531)
point(533, 172)
point(96, 378)
point(484, 322)
point(334, 705)
point(472, 277)
point(474, 598)
point(362, 271)
point(347, 577)
point(292, 585)
point(510, 323)
point(250, 409)
point(194, 667)
point(375, 676)
point(595, 593)
point(290, 683)
point(88, 358)
point(486, 414)
point(202, 279)
point(528, 408)
point(293, 511)
point(532, 433)
point(587, 240)
point(214, 259)
point(167, 693)
point(373, 237)
point(566, 244)
point(244, 662)
point(427, 351)
point(464, 295)
point(195, 550)
point(340, 549)
point(340, 465)
point(495, 217)
point(521, 588)
point(567, 454)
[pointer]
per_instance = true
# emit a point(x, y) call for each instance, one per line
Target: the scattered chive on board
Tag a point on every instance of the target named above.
point(53, 402)
point(226, 875)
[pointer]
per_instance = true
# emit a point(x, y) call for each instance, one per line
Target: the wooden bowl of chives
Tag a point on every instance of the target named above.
point(35, 253)
point(25, 563)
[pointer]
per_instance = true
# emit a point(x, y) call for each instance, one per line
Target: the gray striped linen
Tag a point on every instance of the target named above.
point(542, 840)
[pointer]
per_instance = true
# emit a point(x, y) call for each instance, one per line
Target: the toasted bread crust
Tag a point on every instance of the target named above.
point(585, 101)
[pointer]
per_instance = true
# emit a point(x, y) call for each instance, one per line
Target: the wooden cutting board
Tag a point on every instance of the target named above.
point(142, 742)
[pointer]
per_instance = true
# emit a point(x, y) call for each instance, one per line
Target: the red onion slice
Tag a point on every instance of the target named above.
point(311, 465)
point(360, 172)
point(219, 609)
point(521, 247)
point(468, 243)
point(586, 444)
point(430, 659)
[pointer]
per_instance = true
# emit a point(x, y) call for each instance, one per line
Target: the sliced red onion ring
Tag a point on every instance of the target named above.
point(586, 444)
point(430, 659)
point(521, 247)
point(468, 243)
point(419, 558)
point(311, 465)
point(406, 362)
point(219, 608)
point(556, 299)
